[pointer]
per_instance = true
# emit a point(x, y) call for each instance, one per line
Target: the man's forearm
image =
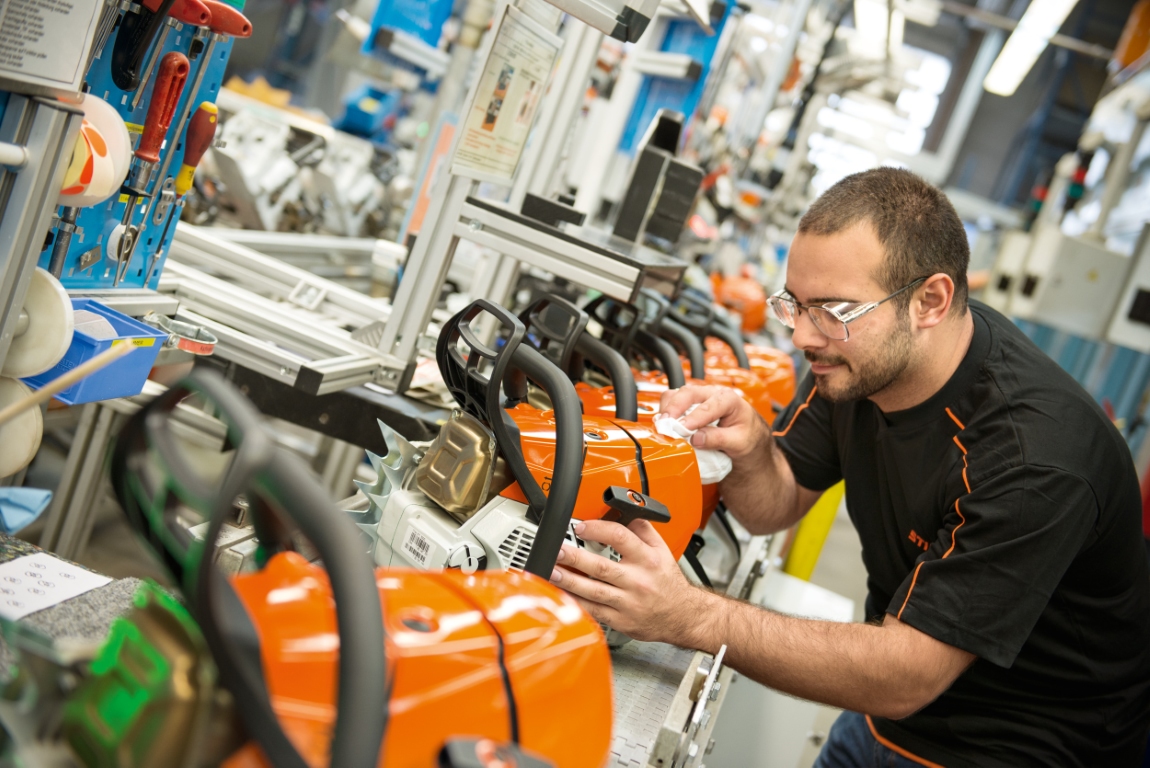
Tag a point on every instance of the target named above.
point(761, 490)
point(860, 667)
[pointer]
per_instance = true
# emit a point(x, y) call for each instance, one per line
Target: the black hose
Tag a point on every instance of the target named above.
point(622, 379)
point(567, 473)
point(687, 342)
point(666, 355)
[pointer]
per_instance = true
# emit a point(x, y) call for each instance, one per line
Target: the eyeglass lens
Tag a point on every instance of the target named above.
point(827, 324)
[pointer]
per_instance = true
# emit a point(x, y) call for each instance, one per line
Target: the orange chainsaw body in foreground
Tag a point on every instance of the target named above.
point(455, 645)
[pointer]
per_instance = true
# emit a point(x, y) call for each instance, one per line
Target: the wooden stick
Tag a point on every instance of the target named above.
point(66, 380)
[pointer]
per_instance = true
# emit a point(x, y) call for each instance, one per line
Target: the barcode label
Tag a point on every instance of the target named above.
point(417, 546)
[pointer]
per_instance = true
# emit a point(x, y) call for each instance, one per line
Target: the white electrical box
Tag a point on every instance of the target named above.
point(1130, 326)
point(1007, 270)
point(1070, 283)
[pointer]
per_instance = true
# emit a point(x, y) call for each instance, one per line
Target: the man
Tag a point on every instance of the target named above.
point(998, 510)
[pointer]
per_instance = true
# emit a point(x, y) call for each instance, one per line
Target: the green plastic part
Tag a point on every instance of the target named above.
point(124, 708)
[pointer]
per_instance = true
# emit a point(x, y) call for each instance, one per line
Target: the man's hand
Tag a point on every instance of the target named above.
point(740, 433)
point(645, 596)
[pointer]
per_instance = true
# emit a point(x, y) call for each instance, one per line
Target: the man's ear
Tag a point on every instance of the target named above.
point(932, 300)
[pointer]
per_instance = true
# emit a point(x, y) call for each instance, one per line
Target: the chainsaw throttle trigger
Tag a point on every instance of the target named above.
point(627, 505)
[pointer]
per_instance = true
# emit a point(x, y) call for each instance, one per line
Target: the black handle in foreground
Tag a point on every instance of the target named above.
point(567, 472)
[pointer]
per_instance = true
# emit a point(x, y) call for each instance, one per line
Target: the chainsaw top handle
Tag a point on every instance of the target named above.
point(622, 330)
point(151, 478)
point(510, 364)
point(657, 311)
point(561, 330)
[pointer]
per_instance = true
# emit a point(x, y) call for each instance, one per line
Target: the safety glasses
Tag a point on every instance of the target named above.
point(831, 320)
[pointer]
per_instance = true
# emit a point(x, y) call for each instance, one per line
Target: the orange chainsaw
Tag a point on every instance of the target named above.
point(335, 664)
point(473, 498)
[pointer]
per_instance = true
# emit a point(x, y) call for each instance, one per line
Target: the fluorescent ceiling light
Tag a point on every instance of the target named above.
point(1026, 43)
point(870, 24)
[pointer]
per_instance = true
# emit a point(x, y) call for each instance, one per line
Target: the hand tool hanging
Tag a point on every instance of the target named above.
point(201, 131)
point(183, 12)
point(225, 23)
point(166, 94)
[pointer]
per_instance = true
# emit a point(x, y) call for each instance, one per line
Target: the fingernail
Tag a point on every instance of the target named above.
point(562, 556)
point(556, 576)
point(697, 440)
point(578, 527)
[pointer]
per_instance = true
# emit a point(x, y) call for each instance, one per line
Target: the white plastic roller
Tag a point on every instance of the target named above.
point(20, 437)
point(43, 329)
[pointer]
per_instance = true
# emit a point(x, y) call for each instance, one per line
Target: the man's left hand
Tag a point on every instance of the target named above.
point(644, 596)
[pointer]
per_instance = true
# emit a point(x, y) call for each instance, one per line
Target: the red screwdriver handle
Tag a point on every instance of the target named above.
point(192, 12)
point(165, 97)
point(226, 20)
point(201, 131)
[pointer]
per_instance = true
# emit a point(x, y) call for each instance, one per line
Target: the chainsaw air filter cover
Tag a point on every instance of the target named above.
point(461, 470)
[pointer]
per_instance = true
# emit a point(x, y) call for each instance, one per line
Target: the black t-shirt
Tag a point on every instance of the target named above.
point(1001, 516)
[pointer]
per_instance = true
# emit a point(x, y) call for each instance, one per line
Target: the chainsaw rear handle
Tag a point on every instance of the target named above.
point(622, 329)
point(263, 472)
point(620, 373)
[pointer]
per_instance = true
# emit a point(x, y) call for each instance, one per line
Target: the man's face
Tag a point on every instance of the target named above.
point(842, 267)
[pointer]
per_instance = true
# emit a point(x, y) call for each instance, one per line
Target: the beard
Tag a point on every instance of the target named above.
point(866, 377)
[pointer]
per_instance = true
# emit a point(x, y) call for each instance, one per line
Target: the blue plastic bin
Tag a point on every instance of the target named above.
point(123, 378)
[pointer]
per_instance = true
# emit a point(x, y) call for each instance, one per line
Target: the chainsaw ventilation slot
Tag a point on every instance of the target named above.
point(516, 547)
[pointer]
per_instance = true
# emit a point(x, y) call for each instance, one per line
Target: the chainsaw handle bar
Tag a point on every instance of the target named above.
point(264, 472)
point(510, 365)
point(623, 330)
point(561, 328)
point(687, 342)
point(699, 316)
point(567, 473)
point(622, 378)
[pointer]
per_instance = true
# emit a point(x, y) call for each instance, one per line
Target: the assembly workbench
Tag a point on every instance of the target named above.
point(658, 722)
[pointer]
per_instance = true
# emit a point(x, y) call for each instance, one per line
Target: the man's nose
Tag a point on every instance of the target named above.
point(806, 335)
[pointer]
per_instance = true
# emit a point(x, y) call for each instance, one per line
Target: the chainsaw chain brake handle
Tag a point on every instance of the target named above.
point(152, 480)
point(658, 311)
point(555, 324)
point(700, 317)
point(623, 330)
point(561, 328)
point(478, 393)
point(627, 505)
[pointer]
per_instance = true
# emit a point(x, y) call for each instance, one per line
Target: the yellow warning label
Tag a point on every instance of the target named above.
point(145, 342)
point(134, 127)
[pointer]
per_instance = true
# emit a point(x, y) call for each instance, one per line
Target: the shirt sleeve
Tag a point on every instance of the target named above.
point(806, 436)
point(1003, 549)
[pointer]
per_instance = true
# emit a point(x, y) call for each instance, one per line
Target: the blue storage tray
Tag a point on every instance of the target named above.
point(123, 378)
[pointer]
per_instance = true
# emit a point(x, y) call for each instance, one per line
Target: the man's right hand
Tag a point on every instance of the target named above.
point(740, 431)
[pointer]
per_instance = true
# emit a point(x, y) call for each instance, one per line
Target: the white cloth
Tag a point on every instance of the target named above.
point(713, 465)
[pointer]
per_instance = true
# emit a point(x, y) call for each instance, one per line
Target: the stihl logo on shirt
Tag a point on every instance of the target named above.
point(919, 541)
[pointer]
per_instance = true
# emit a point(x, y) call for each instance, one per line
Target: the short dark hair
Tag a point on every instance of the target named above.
point(914, 221)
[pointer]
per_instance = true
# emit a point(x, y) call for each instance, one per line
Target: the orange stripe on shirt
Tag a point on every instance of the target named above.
point(896, 748)
point(798, 410)
point(961, 517)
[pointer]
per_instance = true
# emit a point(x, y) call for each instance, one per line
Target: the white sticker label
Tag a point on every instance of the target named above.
point(35, 582)
point(417, 546)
